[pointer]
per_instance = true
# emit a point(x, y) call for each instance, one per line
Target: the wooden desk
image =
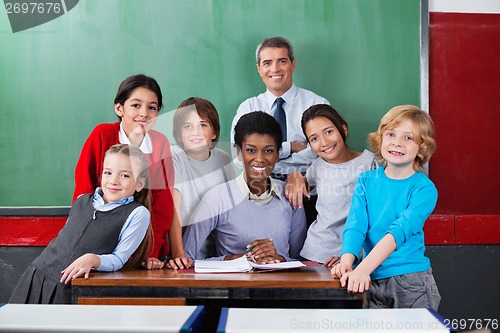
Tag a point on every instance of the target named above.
point(311, 283)
point(308, 287)
point(102, 318)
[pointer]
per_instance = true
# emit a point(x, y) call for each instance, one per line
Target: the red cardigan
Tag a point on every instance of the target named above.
point(161, 170)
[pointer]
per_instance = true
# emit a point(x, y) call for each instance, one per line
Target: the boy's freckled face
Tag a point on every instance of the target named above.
point(139, 111)
point(398, 145)
point(259, 155)
point(197, 133)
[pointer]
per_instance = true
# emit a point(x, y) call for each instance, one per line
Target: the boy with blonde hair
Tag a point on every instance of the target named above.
point(389, 208)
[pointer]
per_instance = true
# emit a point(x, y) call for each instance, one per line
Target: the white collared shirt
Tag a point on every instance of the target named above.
point(146, 145)
point(262, 199)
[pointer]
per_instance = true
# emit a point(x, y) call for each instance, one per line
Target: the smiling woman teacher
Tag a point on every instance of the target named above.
point(245, 214)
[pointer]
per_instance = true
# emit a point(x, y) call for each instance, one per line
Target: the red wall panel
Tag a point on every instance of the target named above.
point(464, 101)
point(474, 229)
point(438, 229)
point(29, 231)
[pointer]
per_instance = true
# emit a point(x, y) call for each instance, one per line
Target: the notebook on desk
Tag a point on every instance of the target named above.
point(241, 264)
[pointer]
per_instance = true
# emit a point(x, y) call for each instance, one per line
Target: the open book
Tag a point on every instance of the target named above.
point(241, 264)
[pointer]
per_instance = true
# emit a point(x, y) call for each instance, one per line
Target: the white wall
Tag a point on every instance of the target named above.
point(465, 6)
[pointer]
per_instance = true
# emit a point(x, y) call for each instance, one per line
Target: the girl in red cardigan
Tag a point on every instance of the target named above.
point(137, 104)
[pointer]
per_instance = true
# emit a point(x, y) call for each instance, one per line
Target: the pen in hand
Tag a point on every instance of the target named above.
point(253, 257)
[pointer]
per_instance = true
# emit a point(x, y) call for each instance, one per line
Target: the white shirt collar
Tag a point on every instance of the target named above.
point(288, 97)
point(262, 199)
point(146, 145)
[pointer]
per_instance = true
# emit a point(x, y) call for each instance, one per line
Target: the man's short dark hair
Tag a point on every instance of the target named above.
point(276, 41)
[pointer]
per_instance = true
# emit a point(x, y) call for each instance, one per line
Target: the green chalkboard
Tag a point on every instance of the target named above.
point(58, 79)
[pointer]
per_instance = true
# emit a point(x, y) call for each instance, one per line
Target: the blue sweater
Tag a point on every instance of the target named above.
point(236, 222)
point(381, 205)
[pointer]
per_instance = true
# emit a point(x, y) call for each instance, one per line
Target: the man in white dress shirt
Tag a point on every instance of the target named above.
point(276, 64)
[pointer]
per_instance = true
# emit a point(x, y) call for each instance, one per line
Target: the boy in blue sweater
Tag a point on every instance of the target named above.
point(250, 214)
point(389, 208)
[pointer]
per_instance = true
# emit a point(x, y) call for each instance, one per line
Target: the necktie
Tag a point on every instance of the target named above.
point(279, 115)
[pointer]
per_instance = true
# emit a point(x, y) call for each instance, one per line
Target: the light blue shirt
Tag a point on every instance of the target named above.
point(235, 222)
point(382, 205)
point(131, 235)
point(297, 100)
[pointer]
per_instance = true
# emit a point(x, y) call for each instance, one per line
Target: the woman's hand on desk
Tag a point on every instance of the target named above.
point(262, 251)
point(180, 263)
point(152, 263)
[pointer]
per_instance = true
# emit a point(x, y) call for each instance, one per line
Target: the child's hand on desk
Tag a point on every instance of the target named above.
point(339, 269)
point(330, 262)
point(79, 267)
point(357, 281)
point(343, 266)
point(262, 251)
point(180, 263)
point(152, 263)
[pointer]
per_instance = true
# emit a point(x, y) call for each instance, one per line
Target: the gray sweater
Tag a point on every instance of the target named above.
point(236, 222)
point(334, 184)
